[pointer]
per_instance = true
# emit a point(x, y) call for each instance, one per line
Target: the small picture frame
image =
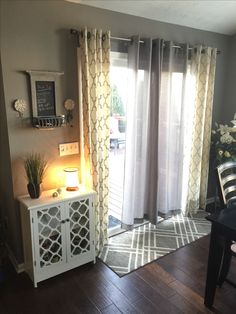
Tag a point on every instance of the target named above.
point(45, 93)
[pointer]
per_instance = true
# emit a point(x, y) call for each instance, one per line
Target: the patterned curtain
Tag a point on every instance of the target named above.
point(94, 86)
point(203, 64)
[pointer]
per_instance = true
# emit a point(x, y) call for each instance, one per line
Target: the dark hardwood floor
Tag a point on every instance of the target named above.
point(172, 284)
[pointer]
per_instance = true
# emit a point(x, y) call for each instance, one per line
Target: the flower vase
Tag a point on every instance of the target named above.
point(34, 190)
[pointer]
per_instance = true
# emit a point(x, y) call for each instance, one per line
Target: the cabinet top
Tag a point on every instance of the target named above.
point(47, 198)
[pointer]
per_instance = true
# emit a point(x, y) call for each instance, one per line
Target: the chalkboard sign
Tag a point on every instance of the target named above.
point(45, 98)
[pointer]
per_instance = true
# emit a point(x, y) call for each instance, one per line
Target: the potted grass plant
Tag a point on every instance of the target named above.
point(35, 167)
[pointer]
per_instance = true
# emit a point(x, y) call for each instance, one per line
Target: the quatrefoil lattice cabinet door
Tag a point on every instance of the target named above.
point(80, 230)
point(50, 237)
point(64, 234)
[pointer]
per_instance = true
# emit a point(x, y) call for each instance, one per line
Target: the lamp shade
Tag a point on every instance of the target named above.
point(72, 181)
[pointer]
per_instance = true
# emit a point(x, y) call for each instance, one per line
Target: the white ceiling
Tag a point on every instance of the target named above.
point(214, 16)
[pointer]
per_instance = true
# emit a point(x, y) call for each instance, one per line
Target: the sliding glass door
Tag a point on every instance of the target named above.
point(119, 77)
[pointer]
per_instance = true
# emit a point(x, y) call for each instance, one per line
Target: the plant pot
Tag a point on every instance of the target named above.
point(34, 190)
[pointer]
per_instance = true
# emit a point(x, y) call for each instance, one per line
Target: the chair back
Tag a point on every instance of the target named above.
point(227, 182)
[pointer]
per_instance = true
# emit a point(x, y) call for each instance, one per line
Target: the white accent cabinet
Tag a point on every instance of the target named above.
point(58, 232)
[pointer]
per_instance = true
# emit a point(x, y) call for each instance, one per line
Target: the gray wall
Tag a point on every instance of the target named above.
point(227, 106)
point(35, 36)
point(229, 102)
point(10, 220)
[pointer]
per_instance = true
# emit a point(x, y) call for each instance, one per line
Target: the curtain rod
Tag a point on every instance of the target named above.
point(141, 41)
point(76, 32)
point(125, 39)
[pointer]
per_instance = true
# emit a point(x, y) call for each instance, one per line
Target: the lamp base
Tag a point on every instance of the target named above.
point(74, 188)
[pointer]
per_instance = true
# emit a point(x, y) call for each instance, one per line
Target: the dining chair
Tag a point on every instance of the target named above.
point(226, 174)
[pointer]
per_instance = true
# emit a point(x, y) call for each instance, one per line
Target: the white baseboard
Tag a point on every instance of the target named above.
point(19, 268)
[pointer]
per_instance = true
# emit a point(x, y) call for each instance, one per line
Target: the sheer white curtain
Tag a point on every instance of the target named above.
point(172, 120)
point(151, 179)
point(168, 128)
point(185, 113)
point(139, 64)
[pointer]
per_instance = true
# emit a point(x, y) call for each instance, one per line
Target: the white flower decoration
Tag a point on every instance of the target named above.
point(227, 154)
point(223, 129)
point(234, 122)
point(224, 141)
point(226, 138)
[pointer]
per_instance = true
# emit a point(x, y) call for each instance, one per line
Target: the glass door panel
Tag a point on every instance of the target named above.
point(50, 236)
point(79, 227)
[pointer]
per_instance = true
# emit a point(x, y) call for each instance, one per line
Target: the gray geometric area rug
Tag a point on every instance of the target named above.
point(130, 250)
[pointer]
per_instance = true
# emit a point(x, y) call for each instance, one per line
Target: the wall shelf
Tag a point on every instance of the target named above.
point(49, 122)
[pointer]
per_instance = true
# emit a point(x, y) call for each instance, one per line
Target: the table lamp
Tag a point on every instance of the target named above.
point(72, 181)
